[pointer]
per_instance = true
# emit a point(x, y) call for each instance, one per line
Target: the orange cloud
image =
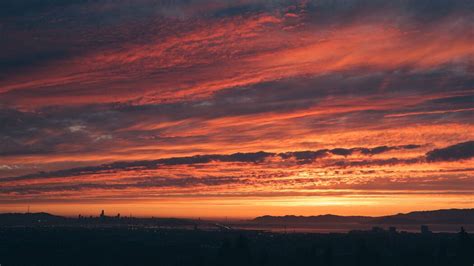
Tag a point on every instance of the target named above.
point(210, 55)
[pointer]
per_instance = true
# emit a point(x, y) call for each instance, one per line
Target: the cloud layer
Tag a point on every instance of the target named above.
point(137, 101)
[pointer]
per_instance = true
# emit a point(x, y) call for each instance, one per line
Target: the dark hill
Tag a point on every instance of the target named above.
point(450, 216)
point(12, 219)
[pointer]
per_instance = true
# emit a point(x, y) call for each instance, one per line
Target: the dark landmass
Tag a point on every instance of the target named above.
point(451, 216)
point(52, 245)
point(45, 239)
point(12, 219)
point(439, 221)
point(46, 219)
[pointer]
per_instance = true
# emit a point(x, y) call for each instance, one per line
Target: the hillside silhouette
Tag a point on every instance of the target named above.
point(448, 216)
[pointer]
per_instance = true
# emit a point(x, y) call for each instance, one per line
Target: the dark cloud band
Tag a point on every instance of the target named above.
point(301, 157)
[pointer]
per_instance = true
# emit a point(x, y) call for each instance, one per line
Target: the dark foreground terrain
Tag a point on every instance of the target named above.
point(152, 246)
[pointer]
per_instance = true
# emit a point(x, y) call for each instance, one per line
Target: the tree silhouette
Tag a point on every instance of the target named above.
point(442, 256)
point(263, 259)
point(328, 256)
point(465, 249)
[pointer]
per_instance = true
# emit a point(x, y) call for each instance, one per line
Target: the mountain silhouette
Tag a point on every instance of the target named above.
point(449, 216)
point(30, 218)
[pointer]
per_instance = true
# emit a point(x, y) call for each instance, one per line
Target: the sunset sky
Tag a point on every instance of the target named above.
point(214, 108)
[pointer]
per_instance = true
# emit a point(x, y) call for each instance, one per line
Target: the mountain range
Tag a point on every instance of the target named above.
point(448, 216)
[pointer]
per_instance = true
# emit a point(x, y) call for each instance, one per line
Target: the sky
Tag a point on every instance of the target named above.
point(207, 108)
